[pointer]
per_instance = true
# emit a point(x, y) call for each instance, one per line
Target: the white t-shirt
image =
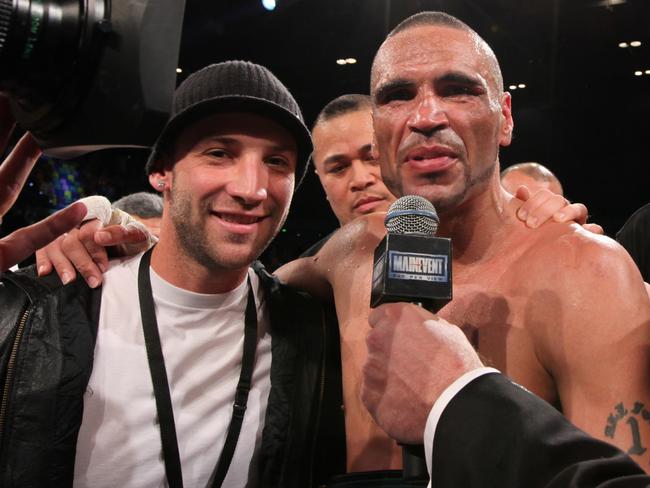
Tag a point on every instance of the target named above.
point(202, 340)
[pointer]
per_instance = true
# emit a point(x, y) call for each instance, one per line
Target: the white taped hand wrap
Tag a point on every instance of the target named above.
point(97, 208)
point(100, 208)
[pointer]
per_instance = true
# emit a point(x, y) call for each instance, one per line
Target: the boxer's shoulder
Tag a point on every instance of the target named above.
point(571, 244)
point(360, 236)
point(567, 254)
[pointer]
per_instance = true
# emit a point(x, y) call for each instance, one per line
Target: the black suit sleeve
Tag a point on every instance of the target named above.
point(494, 433)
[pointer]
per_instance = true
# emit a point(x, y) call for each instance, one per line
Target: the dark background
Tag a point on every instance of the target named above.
point(583, 113)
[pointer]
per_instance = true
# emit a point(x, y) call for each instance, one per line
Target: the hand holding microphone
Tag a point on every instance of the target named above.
point(410, 265)
point(413, 356)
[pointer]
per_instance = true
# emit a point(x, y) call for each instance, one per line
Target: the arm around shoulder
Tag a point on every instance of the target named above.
point(341, 255)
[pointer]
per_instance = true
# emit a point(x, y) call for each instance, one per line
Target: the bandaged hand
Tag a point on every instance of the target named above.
point(85, 249)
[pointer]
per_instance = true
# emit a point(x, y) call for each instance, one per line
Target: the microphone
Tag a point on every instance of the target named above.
point(412, 265)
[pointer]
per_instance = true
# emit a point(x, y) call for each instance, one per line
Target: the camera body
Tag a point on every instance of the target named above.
point(85, 75)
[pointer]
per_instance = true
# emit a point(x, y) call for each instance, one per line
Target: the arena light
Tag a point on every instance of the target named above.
point(521, 85)
point(268, 4)
point(179, 70)
point(341, 62)
point(623, 45)
point(610, 3)
point(351, 61)
point(512, 87)
point(638, 73)
point(647, 72)
point(635, 43)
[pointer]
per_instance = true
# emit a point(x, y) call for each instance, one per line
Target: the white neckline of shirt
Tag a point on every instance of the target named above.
point(165, 291)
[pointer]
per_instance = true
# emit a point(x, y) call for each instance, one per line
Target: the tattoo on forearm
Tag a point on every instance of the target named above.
point(632, 418)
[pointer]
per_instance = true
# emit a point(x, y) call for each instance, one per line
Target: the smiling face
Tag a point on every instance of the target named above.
point(230, 188)
point(346, 167)
point(439, 114)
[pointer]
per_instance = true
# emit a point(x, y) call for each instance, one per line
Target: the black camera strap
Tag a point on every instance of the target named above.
point(160, 382)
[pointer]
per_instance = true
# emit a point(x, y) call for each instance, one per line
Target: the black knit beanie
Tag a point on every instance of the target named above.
point(233, 86)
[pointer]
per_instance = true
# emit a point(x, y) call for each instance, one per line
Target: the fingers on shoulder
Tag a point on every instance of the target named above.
point(85, 256)
point(541, 207)
point(52, 255)
point(594, 228)
point(576, 212)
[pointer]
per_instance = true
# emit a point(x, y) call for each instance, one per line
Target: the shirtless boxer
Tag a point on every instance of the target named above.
point(560, 310)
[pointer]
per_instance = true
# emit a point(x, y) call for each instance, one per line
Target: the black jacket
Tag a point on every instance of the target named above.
point(634, 236)
point(495, 434)
point(47, 339)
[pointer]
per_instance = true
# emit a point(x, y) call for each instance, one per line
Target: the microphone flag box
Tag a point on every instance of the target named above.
point(412, 268)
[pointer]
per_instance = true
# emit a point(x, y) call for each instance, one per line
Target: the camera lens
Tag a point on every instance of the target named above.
point(47, 50)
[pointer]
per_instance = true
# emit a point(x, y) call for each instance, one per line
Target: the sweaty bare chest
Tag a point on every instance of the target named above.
point(493, 317)
point(485, 316)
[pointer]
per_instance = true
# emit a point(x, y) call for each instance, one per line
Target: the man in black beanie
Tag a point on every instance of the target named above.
point(167, 375)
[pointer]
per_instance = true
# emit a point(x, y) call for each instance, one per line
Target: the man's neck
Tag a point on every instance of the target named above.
point(176, 267)
point(479, 226)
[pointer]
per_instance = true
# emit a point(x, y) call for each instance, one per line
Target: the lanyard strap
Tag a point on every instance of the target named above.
point(162, 395)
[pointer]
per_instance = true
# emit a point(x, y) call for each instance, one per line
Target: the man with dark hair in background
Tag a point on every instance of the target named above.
point(344, 161)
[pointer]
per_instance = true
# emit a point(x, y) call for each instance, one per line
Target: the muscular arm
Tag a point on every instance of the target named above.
point(306, 274)
point(338, 261)
point(592, 328)
point(345, 262)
